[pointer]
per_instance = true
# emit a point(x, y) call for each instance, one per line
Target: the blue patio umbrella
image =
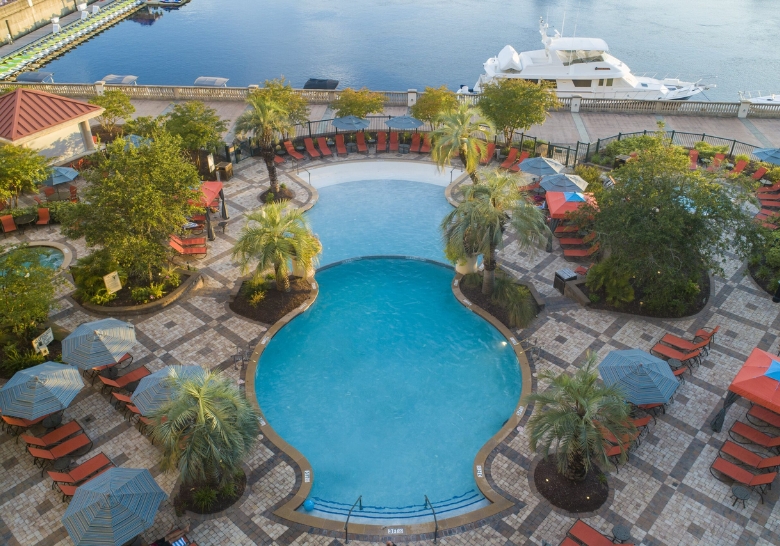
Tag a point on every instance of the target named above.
point(61, 175)
point(404, 123)
point(155, 389)
point(643, 378)
point(541, 166)
point(770, 155)
point(43, 389)
point(113, 508)
point(564, 183)
point(135, 141)
point(98, 343)
point(350, 123)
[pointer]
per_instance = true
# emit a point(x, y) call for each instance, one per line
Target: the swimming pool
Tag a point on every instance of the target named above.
point(389, 387)
point(49, 257)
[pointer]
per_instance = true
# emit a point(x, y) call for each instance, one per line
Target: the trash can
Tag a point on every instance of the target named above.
point(561, 276)
point(225, 171)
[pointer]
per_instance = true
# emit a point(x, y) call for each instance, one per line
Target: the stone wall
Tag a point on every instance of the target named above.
point(19, 17)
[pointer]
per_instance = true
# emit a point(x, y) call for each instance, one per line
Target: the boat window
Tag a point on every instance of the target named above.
point(644, 85)
point(576, 56)
point(582, 83)
point(601, 82)
point(609, 82)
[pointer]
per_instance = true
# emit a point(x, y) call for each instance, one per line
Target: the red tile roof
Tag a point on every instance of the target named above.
point(25, 112)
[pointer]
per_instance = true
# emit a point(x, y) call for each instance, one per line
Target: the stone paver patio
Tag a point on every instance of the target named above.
point(665, 494)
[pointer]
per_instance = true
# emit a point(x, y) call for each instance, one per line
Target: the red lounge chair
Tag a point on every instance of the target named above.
point(43, 217)
point(393, 141)
point(70, 490)
point(292, 151)
point(759, 174)
point(717, 161)
point(569, 542)
point(8, 223)
point(94, 372)
point(61, 450)
point(576, 241)
point(510, 159)
point(82, 471)
point(669, 352)
point(749, 458)
point(753, 436)
point(278, 159)
point(693, 156)
point(322, 142)
point(426, 147)
point(706, 333)
point(739, 167)
point(121, 399)
point(340, 148)
point(564, 228)
point(132, 412)
point(381, 142)
point(189, 241)
point(74, 197)
point(491, 151)
point(580, 253)
point(587, 535)
point(361, 143)
point(740, 475)
point(125, 380)
point(415, 146)
point(57, 436)
point(642, 422)
point(313, 153)
point(762, 414)
point(21, 424)
point(516, 167)
point(48, 192)
point(769, 190)
point(188, 250)
point(684, 344)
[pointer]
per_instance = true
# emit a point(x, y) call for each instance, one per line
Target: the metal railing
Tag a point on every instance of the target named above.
point(435, 520)
point(359, 501)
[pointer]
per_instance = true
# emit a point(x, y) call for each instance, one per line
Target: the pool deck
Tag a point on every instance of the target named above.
point(665, 493)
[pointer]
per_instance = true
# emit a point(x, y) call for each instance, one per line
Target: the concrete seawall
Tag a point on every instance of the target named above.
point(20, 17)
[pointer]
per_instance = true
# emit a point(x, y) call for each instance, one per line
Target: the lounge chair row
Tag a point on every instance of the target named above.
point(582, 534)
point(689, 353)
point(617, 446)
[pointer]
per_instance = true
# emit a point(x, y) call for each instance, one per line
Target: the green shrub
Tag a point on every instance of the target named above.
point(625, 146)
point(169, 276)
point(204, 498)
point(671, 295)
point(708, 151)
point(156, 290)
point(615, 283)
point(256, 298)
point(594, 298)
point(741, 157)
point(16, 360)
point(228, 491)
point(516, 299)
point(88, 276)
point(471, 280)
point(140, 294)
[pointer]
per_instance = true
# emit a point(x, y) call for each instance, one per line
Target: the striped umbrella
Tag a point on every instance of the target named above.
point(643, 378)
point(98, 343)
point(155, 389)
point(113, 508)
point(40, 390)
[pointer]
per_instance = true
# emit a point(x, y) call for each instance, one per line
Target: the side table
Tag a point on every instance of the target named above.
point(621, 533)
point(740, 494)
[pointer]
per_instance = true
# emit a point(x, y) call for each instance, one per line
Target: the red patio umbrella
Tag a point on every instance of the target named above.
point(559, 203)
point(759, 380)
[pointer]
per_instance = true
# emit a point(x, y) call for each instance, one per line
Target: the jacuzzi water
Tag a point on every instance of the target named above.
point(47, 256)
point(379, 218)
point(389, 387)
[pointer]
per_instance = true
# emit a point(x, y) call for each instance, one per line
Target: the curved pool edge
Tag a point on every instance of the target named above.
point(288, 510)
point(67, 253)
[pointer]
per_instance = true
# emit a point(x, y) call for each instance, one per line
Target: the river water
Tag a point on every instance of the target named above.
point(402, 44)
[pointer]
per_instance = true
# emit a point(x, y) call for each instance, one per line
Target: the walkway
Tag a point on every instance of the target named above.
point(665, 493)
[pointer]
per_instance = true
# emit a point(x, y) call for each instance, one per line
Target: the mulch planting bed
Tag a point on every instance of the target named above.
point(475, 295)
point(124, 298)
point(766, 284)
point(185, 500)
point(55, 352)
point(583, 496)
point(276, 304)
point(284, 194)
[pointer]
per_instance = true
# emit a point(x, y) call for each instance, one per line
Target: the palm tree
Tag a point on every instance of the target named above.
point(205, 429)
point(265, 119)
point(571, 416)
point(274, 236)
point(457, 134)
point(477, 226)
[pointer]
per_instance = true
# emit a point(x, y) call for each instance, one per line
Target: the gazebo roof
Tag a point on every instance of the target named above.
point(757, 380)
point(25, 112)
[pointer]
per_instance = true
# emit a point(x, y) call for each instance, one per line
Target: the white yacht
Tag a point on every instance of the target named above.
point(759, 98)
point(581, 67)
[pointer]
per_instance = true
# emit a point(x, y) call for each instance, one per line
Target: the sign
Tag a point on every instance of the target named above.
point(40, 342)
point(210, 160)
point(113, 284)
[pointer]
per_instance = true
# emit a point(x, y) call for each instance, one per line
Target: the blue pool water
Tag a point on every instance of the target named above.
point(389, 387)
point(414, 43)
point(47, 256)
point(379, 218)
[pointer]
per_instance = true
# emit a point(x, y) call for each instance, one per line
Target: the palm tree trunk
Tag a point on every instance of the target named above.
point(489, 275)
point(268, 156)
point(576, 470)
point(472, 174)
point(282, 280)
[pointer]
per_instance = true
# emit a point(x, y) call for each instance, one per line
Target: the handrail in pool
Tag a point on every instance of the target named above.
point(435, 521)
point(346, 524)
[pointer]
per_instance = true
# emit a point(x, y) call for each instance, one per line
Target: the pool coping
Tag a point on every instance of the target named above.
point(67, 253)
point(498, 503)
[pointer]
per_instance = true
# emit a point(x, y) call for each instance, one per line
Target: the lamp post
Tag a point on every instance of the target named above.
point(776, 297)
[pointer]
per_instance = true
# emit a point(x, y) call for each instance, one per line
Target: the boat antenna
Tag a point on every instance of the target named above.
point(563, 25)
point(577, 17)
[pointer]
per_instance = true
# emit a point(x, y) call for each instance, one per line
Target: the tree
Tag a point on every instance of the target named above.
point(206, 429)
point(571, 416)
point(116, 106)
point(434, 102)
point(516, 104)
point(281, 93)
point(27, 291)
point(198, 126)
point(358, 103)
point(20, 170)
point(458, 134)
point(273, 236)
point(478, 224)
point(265, 119)
point(665, 226)
point(144, 126)
point(137, 197)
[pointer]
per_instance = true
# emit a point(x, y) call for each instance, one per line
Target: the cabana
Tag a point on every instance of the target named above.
point(209, 193)
point(758, 381)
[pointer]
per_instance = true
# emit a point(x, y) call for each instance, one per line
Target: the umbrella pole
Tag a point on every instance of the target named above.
point(225, 215)
point(209, 228)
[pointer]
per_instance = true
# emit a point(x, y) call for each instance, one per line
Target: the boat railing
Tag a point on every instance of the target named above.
point(358, 502)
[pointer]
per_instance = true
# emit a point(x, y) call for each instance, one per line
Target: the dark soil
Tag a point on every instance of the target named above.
point(276, 304)
point(284, 194)
point(55, 354)
point(185, 500)
point(475, 295)
point(584, 496)
point(766, 284)
point(634, 307)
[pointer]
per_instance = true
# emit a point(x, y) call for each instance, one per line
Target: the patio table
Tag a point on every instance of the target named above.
point(25, 220)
